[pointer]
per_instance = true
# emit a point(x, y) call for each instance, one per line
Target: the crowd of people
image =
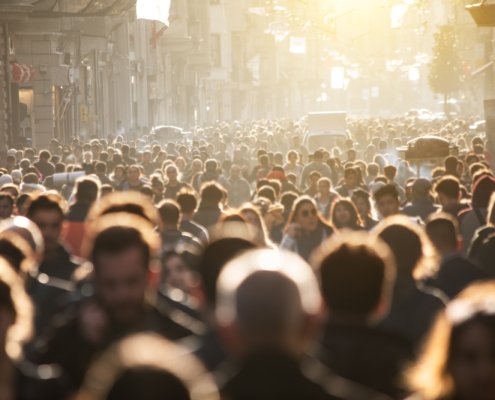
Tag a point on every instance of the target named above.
point(236, 264)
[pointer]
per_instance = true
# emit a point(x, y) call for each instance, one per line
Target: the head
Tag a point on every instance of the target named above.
point(413, 252)
point(324, 186)
point(169, 211)
point(133, 174)
point(305, 214)
point(211, 193)
point(421, 189)
point(121, 248)
point(172, 173)
point(443, 231)
point(345, 215)
point(87, 190)
point(6, 205)
point(448, 191)
point(267, 299)
point(458, 359)
point(356, 273)
point(187, 202)
point(47, 212)
point(387, 201)
point(361, 200)
point(148, 367)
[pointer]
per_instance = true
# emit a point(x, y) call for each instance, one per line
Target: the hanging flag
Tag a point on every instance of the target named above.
point(154, 10)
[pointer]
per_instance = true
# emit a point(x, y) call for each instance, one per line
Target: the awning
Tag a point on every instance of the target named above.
point(21, 73)
point(482, 69)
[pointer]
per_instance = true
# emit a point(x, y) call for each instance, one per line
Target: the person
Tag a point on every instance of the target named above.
point(325, 197)
point(458, 357)
point(316, 165)
point(85, 194)
point(456, 272)
point(209, 210)
point(43, 165)
point(121, 248)
point(256, 223)
point(387, 201)
point(293, 166)
point(421, 201)
point(148, 367)
point(356, 274)
point(6, 205)
point(312, 183)
point(267, 301)
point(52, 285)
point(134, 180)
point(361, 200)
point(171, 235)
point(473, 218)
point(345, 215)
point(349, 184)
point(239, 190)
point(305, 229)
point(448, 191)
point(188, 203)
point(413, 307)
point(173, 186)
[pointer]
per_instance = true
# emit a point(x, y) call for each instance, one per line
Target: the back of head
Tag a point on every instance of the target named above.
point(443, 231)
point(449, 186)
point(267, 295)
point(356, 273)
point(169, 212)
point(86, 190)
point(147, 367)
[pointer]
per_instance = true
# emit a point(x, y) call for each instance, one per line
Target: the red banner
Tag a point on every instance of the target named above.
point(21, 73)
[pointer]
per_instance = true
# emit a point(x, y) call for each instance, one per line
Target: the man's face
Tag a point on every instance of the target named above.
point(6, 209)
point(50, 224)
point(351, 180)
point(387, 205)
point(120, 283)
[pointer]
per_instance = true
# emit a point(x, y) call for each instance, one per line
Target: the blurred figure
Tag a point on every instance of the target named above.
point(122, 248)
point(421, 201)
point(458, 361)
point(356, 274)
point(6, 205)
point(325, 197)
point(413, 308)
point(455, 272)
point(448, 191)
point(306, 229)
point(147, 367)
point(267, 306)
point(210, 205)
point(239, 189)
point(188, 203)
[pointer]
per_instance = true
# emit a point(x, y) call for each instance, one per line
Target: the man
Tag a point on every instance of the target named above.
point(350, 183)
point(101, 173)
point(239, 189)
point(172, 237)
point(448, 191)
point(421, 200)
point(456, 272)
point(173, 185)
point(312, 188)
point(43, 165)
point(387, 201)
point(188, 203)
point(316, 165)
point(6, 205)
point(53, 285)
point(357, 275)
point(267, 304)
point(121, 248)
point(325, 197)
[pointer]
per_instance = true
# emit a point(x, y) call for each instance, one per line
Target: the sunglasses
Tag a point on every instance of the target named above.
point(307, 213)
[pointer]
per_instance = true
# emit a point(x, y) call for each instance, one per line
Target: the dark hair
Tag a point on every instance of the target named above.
point(449, 186)
point(214, 258)
point(267, 192)
point(443, 230)
point(354, 278)
point(7, 196)
point(45, 155)
point(211, 193)
point(387, 190)
point(349, 205)
point(45, 202)
point(389, 171)
point(86, 190)
point(450, 164)
point(187, 201)
point(169, 211)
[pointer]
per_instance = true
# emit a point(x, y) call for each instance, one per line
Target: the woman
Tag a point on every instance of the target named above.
point(458, 361)
point(256, 222)
point(345, 216)
point(361, 200)
point(306, 229)
point(118, 177)
point(293, 166)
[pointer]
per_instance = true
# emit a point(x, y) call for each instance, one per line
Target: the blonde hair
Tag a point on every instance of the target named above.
point(22, 329)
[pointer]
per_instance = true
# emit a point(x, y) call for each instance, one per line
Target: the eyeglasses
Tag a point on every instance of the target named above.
point(307, 213)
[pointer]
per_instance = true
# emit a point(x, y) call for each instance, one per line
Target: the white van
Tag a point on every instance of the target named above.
point(326, 129)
